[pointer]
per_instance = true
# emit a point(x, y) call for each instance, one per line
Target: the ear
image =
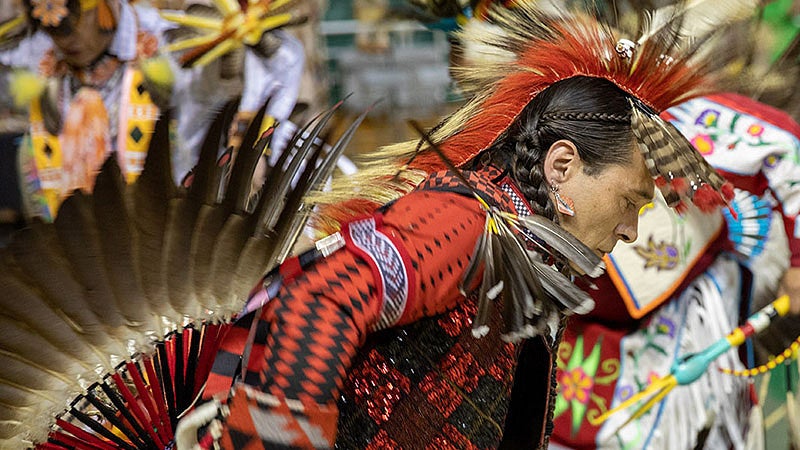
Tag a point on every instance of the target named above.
point(561, 162)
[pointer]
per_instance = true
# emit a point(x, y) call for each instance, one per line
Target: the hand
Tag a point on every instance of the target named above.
point(238, 128)
point(790, 285)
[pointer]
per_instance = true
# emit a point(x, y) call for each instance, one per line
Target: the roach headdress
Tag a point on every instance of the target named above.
point(515, 53)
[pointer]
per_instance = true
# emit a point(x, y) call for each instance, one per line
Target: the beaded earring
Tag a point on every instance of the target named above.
point(564, 204)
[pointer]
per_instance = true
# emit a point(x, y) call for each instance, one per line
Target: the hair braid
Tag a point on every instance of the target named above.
point(527, 168)
point(592, 113)
point(588, 116)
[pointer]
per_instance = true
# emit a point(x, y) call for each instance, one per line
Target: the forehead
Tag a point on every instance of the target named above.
point(632, 179)
point(639, 180)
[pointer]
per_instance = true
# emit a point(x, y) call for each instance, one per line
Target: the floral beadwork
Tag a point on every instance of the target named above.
point(662, 256)
point(703, 143)
point(49, 13)
point(708, 118)
point(755, 130)
point(576, 385)
point(578, 375)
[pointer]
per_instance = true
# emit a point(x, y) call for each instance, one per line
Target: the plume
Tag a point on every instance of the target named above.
point(564, 244)
point(529, 46)
point(693, 19)
point(679, 171)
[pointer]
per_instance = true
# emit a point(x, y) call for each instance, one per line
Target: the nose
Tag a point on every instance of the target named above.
point(627, 231)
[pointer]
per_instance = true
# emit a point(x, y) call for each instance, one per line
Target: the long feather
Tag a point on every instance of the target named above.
point(78, 236)
point(244, 164)
point(116, 240)
point(23, 343)
point(268, 218)
point(488, 290)
point(565, 244)
point(150, 201)
point(523, 267)
point(317, 169)
point(210, 220)
point(20, 302)
point(229, 246)
point(36, 256)
point(694, 18)
point(182, 219)
point(570, 298)
point(206, 179)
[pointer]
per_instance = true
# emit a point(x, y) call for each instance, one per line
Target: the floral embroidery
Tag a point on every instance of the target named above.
point(703, 143)
point(662, 256)
point(49, 13)
point(625, 392)
point(755, 130)
point(576, 385)
point(771, 161)
point(665, 326)
point(708, 118)
point(578, 375)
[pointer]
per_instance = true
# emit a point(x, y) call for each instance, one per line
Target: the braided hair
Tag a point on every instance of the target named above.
point(592, 113)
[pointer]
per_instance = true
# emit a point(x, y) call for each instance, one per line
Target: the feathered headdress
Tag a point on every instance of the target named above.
point(515, 53)
point(208, 33)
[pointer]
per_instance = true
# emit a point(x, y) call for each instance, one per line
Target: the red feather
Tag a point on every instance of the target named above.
point(582, 47)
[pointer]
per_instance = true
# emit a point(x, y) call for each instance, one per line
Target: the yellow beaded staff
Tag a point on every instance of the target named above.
point(790, 352)
point(693, 366)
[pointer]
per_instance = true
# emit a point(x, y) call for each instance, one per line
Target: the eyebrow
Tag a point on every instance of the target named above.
point(644, 194)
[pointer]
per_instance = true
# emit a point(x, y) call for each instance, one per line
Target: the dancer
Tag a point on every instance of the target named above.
point(379, 336)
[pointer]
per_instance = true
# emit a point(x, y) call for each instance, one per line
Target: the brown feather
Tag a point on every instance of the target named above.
point(36, 256)
point(115, 233)
point(228, 247)
point(182, 219)
point(24, 342)
point(150, 200)
point(20, 302)
point(78, 236)
point(210, 222)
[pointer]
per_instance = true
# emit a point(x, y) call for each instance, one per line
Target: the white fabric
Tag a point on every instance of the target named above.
point(665, 251)
point(742, 150)
point(704, 313)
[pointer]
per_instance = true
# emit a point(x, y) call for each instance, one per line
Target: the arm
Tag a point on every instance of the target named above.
point(318, 322)
point(790, 285)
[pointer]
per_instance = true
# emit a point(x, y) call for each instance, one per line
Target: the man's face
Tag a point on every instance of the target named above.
point(607, 203)
point(84, 42)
